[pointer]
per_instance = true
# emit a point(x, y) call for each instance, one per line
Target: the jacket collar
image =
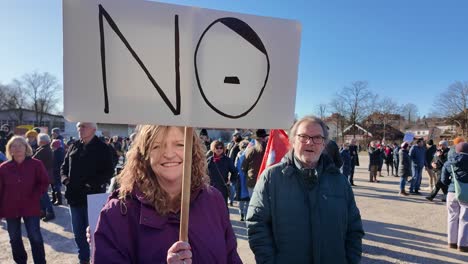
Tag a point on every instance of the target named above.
point(325, 165)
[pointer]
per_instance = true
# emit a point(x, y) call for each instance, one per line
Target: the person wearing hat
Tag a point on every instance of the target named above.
point(438, 162)
point(55, 134)
point(456, 169)
point(31, 136)
point(205, 138)
point(456, 141)
point(404, 168)
point(253, 159)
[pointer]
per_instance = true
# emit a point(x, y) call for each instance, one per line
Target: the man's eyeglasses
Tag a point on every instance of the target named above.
point(306, 139)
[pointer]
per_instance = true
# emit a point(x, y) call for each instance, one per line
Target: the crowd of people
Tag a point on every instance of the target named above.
point(444, 166)
point(312, 184)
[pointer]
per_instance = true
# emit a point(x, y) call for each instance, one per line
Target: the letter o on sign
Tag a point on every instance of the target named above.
point(231, 67)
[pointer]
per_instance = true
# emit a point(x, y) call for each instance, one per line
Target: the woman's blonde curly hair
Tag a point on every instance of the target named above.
point(137, 172)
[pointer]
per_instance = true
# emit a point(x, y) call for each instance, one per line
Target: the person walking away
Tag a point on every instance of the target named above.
point(242, 195)
point(253, 159)
point(396, 160)
point(59, 154)
point(333, 151)
point(456, 171)
point(346, 158)
point(86, 169)
point(232, 154)
point(23, 180)
point(404, 168)
point(354, 152)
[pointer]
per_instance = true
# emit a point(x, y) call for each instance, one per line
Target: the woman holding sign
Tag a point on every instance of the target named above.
point(140, 222)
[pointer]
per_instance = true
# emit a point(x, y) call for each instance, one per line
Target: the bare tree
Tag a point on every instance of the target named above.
point(454, 103)
point(410, 112)
point(321, 110)
point(15, 100)
point(3, 95)
point(42, 92)
point(357, 102)
point(388, 110)
point(338, 108)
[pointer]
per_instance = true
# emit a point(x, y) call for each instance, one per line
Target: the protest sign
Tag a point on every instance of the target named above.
point(136, 62)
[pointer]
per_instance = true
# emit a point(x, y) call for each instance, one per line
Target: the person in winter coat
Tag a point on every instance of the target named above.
point(417, 154)
point(430, 152)
point(440, 158)
point(86, 169)
point(140, 221)
point(354, 152)
point(23, 180)
point(221, 169)
point(303, 209)
point(5, 135)
point(242, 192)
point(346, 159)
point(404, 168)
point(59, 155)
point(388, 153)
point(374, 161)
point(396, 158)
point(456, 169)
point(44, 154)
point(253, 158)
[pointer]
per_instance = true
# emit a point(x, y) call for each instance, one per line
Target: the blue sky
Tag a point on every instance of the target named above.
point(410, 51)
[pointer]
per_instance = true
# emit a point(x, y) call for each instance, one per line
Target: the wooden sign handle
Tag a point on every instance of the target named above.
point(186, 184)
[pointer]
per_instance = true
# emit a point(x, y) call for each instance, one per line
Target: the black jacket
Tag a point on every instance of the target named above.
point(219, 173)
point(87, 168)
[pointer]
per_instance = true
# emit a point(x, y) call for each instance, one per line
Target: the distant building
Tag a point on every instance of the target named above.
point(425, 132)
point(17, 117)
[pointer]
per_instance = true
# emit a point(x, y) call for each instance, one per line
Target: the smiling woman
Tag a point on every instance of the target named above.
point(146, 208)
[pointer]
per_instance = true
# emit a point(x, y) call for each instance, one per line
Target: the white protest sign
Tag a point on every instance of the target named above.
point(95, 203)
point(142, 62)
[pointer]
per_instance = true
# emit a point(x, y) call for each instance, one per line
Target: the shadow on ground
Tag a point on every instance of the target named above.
point(405, 237)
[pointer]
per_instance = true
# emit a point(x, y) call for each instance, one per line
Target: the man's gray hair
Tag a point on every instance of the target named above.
point(43, 137)
point(93, 125)
point(308, 119)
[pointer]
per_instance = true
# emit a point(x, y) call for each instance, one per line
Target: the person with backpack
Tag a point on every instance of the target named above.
point(455, 176)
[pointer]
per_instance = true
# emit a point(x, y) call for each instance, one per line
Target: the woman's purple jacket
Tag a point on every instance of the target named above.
point(136, 233)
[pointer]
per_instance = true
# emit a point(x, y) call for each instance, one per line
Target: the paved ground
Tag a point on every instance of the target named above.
point(398, 229)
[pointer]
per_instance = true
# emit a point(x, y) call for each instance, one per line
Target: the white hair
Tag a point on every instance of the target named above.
point(43, 137)
point(93, 125)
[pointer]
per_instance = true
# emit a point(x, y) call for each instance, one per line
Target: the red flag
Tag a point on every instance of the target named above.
point(277, 147)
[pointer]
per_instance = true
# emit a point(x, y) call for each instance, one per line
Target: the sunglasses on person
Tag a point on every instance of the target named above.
point(219, 147)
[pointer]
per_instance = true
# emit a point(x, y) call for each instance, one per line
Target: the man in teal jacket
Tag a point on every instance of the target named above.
point(303, 209)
